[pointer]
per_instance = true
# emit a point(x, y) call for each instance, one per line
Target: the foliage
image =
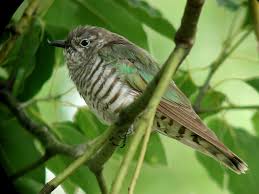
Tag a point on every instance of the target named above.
point(31, 68)
point(230, 4)
point(242, 143)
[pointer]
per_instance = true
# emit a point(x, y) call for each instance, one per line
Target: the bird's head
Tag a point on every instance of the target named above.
point(83, 43)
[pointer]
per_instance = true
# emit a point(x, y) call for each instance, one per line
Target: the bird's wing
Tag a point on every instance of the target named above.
point(137, 68)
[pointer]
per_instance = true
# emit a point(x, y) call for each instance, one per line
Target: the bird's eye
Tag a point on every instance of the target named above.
point(85, 43)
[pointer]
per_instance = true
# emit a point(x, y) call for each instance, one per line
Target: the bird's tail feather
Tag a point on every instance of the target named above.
point(227, 158)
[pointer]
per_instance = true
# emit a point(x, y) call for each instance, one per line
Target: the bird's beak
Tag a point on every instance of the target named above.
point(58, 43)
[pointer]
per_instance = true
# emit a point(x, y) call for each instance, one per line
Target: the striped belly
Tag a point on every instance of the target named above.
point(104, 91)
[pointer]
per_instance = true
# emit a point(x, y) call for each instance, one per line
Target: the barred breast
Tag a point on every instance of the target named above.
point(103, 90)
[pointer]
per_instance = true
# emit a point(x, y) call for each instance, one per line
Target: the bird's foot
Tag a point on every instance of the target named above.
point(123, 137)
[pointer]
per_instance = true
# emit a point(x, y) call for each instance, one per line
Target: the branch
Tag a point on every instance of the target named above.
point(142, 156)
point(42, 132)
point(48, 98)
point(22, 25)
point(231, 107)
point(224, 54)
point(140, 130)
point(101, 182)
point(31, 167)
point(255, 14)
point(93, 147)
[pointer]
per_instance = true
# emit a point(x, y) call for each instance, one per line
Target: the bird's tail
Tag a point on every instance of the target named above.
point(227, 158)
point(187, 137)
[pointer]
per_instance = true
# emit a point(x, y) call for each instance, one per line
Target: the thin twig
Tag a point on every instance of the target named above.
point(122, 172)
point(141, 158)
point(231, 107)
point(225, 53)
point(101, 182)
point(93, 147)
point(48, 98)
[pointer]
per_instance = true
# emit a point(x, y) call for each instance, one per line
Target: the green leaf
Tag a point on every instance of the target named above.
point(118, 20)
point(28, 186)
point(104, 13)
point(184, 81)
point(244, 145)
point(155, 154)
point(211, 100)
point(232, 5)
point(57, 32)
point(69, 133)
point(69, 187)
point(18, 148)
point(3, 73)
point(73, 14)
point(253, 82)
point(25, 61)
point(10, 60)
point(248, 21)
point(82, 177)
point(255, 120)
point(148, 15)
point(88, 123)
point(42, 71)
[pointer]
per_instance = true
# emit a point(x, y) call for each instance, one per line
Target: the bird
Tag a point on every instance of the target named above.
point(110, 72)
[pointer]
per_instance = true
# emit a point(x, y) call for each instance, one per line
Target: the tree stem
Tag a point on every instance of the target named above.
point(101, 182)
point(93, 147)
point(141, 156)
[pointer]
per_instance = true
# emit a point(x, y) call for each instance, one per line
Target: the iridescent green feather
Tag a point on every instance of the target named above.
point(137, 68)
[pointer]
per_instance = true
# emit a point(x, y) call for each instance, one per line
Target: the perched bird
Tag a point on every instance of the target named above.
point(110, 72)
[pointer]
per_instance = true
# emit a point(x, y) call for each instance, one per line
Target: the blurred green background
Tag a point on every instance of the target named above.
point(183, 171)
